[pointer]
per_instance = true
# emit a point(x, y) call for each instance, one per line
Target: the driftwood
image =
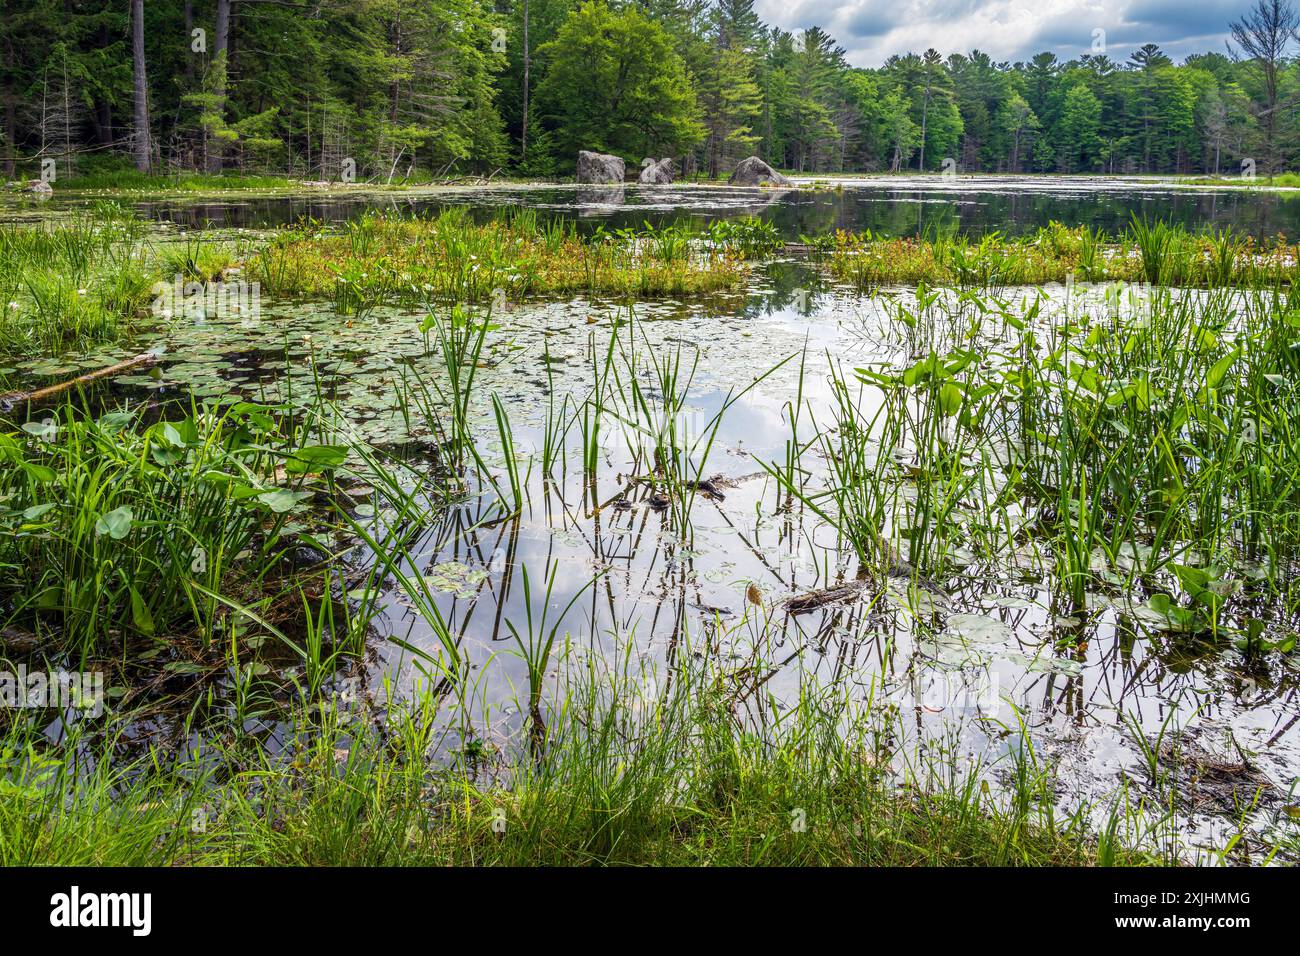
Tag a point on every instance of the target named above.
point(813, 600)
point(41, 394)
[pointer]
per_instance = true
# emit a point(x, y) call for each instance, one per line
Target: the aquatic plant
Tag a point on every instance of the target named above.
point(89, 279)
point(1148, 251)
point(450, 258)
point(117, 530)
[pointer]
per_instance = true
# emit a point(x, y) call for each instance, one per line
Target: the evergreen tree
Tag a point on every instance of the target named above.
point(1076, 132)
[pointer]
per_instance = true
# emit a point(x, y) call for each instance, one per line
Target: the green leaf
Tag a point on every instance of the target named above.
point(116, 524)
point(1178, 618)
point(282, 500)
point(1214, 378)
point(41, 473)
point(950, 399)
point(314, 458)
point(114, 422)
point(184, 667)
point(44, 430)
point(140, 615)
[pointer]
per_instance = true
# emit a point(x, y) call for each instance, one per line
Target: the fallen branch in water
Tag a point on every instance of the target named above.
point(40, 394)
point(824, 597)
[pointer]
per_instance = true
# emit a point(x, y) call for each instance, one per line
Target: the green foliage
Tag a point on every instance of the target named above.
point(630, 774)
point(115, 530)
point(614, 84)
point(1075, 134)
point(411, 90)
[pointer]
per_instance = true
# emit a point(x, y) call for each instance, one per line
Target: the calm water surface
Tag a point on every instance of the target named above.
point(896, 207)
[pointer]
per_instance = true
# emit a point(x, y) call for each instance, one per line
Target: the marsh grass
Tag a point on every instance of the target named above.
point(450, 258)
point(631, 773)
point(1147, 444)
point(72, 285)
point(89, 280)
point(1148, 251)
point(118, 530)
point(129, 181)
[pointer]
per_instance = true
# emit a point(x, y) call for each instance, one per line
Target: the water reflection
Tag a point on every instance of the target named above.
point(897, 207)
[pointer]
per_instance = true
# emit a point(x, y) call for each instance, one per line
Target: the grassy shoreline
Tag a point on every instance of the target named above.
point(86, 281)
point(676, 779)
point(1153, 253)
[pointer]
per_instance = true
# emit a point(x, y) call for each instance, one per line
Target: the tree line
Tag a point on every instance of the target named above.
point(393, 89)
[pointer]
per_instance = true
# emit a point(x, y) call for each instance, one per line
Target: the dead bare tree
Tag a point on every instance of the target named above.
point(142, 146)
point(1263, 35)
point(221, 68)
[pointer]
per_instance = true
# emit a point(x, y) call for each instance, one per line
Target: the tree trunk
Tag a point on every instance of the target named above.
point(102, 109)
point(142, 148)
point(523, 140)
point(220, 58)
point(11, 113)
point(925, 113)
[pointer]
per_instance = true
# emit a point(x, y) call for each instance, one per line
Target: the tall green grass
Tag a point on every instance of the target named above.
point(118, 530)
point(81, 282)
point(631, 773)
point(451, 258)
point(1147, 251)
point(1148, 442)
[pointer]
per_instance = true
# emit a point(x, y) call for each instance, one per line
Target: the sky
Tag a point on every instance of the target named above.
point(871, 30)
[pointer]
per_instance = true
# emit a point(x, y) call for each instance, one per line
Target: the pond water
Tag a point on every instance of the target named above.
point(964, 658)
point(891, 206)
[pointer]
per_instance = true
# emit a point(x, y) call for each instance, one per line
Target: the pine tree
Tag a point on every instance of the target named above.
point(1076, 132)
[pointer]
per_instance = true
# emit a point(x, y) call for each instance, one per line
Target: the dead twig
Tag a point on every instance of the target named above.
point(8, 401)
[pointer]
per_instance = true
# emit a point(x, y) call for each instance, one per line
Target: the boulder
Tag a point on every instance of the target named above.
point(34, 187)
point(754, 172)
point(658, 174)
point(599, 168)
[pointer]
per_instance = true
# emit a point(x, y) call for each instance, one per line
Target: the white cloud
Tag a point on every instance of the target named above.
point(871, 30)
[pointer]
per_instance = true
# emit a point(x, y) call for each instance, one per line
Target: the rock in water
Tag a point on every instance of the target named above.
point(755, 172)
point(599, 168)
point(658, 174)
point(34, 187)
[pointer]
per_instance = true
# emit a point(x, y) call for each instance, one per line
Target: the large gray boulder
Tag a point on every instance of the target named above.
point(38, 188)
point(754, 172)
point(658, 174)
point(599, 168)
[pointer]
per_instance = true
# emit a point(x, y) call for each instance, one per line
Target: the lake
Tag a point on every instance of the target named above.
point(891, 206)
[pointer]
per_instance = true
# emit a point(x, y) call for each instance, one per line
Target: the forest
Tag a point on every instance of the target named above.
point(409, 90)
